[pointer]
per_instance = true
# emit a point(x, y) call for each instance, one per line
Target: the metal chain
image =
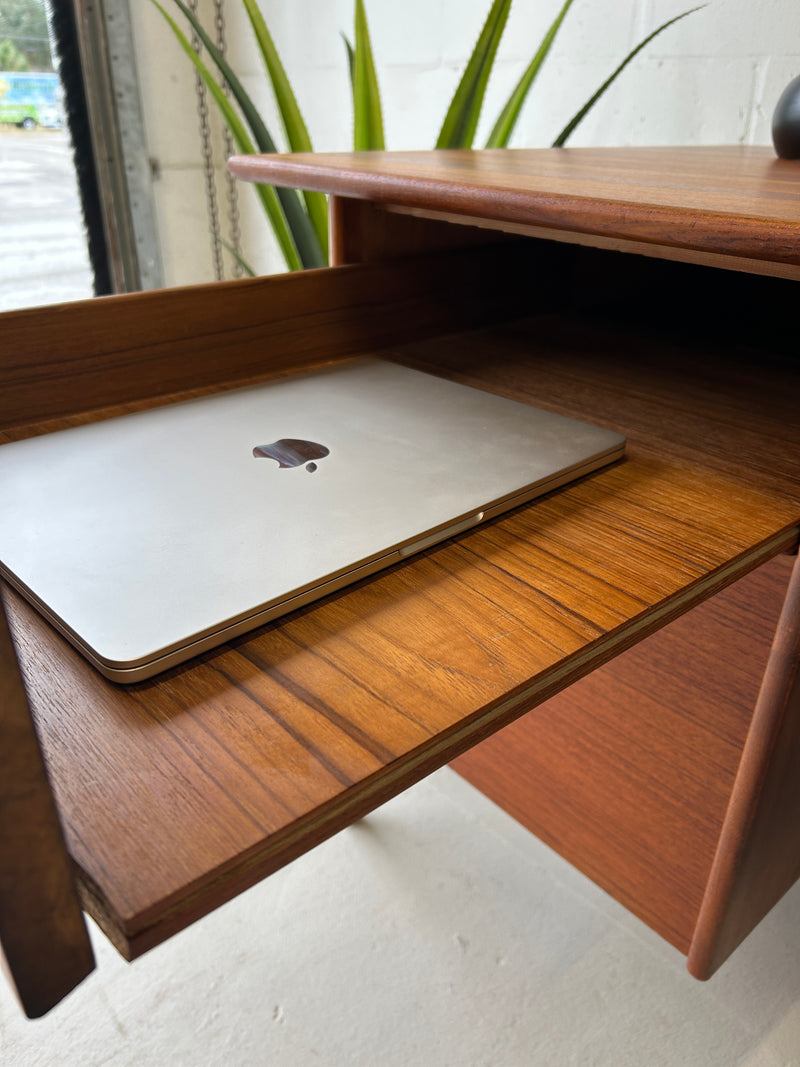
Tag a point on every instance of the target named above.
point(208, 163)
point(230, 181)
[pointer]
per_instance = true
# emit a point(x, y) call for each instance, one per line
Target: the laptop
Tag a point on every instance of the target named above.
point(152, 537)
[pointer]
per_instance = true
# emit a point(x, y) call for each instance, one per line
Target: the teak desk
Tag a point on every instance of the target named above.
point(652, 291)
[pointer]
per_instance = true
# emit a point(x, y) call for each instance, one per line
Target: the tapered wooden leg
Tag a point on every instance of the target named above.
point(758, 857)
point(45, 945)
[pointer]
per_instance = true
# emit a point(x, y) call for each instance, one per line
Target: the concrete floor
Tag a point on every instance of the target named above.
point(435, 933)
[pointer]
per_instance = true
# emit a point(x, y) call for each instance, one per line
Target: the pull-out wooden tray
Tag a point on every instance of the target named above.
point(177, 793)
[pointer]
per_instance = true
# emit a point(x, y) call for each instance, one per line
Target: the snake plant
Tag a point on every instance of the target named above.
point(299, 221)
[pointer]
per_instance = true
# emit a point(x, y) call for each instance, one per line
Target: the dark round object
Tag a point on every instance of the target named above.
point(786, 122)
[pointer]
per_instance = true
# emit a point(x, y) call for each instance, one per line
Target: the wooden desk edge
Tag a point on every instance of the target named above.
point(387, 179)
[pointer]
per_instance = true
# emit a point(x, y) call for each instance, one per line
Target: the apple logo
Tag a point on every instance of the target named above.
point(290, 452)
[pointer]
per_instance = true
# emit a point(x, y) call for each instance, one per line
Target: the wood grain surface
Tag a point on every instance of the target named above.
point(724, 408)
point(628, 773)
point(44, 944)
point(735, 412)
point(737, 201)
point(89, 354)
point(178, 793)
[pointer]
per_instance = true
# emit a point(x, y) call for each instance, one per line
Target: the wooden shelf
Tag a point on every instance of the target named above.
point(177, 793)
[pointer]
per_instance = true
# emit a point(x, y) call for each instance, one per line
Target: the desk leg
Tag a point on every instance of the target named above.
point(45, 944)
point(758, 856)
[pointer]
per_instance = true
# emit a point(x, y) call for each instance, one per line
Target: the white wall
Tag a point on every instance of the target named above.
point(713, 78)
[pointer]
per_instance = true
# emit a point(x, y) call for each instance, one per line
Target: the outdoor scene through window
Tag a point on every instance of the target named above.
point(43, 253)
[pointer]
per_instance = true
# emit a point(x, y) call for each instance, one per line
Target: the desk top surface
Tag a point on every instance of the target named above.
point(740, 201)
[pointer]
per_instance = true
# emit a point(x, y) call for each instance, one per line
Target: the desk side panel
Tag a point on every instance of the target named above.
point(364, 232)
point(628, 773)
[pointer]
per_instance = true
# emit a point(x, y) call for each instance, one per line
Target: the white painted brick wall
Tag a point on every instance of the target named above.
point(713, 78)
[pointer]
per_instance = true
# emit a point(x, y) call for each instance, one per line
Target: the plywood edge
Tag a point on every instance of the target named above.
point(758, 856)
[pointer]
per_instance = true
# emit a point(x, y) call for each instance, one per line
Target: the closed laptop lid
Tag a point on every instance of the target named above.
point(149, 537)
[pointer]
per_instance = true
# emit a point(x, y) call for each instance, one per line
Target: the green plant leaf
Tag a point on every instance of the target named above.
point(461, 120)
point(507, 119)
point(293, 123)
point(367, 112)
point(309, 247)
point(266, 193)
point(297, 133)
point(351, 60)
point(303, 236)
point(248, 270)
point(569, 129)
point(262, 136)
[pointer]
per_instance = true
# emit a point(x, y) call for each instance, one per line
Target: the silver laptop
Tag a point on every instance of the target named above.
point(149, 538)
